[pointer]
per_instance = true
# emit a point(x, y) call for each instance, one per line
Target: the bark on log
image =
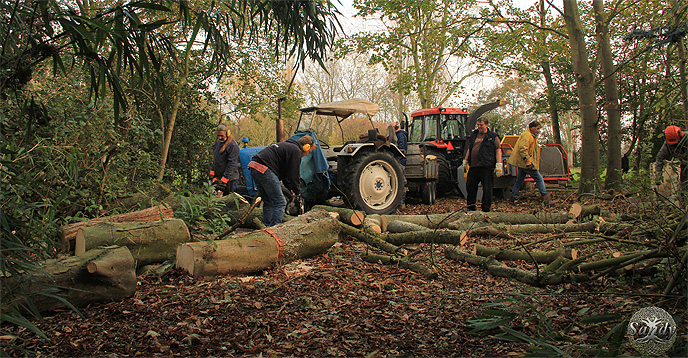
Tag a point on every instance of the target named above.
point(556, 264)
point(441, 236)
point(514, 255)
point(149, 242)
point(525, 229)
point(431, 221)
point(497, 269)
point(398, 226)
point(154, 213)
point(307, 235)
point(347, 216)
point(370, 239)
point(389, 260)
point(99, 275)
point(473, 219)
point(613, 228)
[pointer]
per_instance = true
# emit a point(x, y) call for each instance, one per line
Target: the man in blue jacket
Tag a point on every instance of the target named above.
point(280, 161)
point(483, 158)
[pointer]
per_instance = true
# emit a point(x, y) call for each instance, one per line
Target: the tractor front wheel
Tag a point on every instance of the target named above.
point(375, 182)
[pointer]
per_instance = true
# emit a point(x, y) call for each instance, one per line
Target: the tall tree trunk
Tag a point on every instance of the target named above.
point(547, 73)
point(590, 142)
point(679, 19)
point(552, 102)
point(611, 94)
point(168, 132)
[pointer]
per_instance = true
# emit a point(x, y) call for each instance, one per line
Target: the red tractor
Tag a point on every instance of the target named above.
point(442, 133)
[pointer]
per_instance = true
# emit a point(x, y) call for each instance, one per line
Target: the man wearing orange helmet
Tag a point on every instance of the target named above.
point(674, 147)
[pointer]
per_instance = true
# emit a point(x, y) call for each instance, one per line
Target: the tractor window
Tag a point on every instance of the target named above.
point(416, 130)
point(424, 128)
point(453, 126)
point(430, 132)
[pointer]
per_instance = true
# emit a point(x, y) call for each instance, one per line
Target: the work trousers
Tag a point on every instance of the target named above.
point(521, 178)
point(270, 190)
point(477, 175)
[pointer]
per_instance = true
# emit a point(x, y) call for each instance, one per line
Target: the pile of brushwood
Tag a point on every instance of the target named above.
point(430, 280)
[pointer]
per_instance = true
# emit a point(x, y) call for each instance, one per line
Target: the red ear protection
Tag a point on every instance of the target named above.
point(306, 147)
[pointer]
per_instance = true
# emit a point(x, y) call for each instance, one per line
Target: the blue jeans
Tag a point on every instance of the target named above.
point(269, 188)
point(521, 178)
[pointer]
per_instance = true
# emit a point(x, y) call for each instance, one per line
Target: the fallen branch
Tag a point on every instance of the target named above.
point(498, 269)
point(442, 236)
point(372, 240)
point(514, 255)
point(389, 260)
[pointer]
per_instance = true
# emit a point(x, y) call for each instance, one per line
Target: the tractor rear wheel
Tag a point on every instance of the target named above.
point(445, 184)
point(374, 182)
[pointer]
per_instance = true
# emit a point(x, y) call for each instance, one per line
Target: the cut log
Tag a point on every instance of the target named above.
point(513, 255)
point(473, 219)
point(430, 221)
point(347, 216)
point(305, 236)
point(398, 226)
point(580, 211)
point(372, 224)
point(441, 236)
point(149, 242)
point(155, 213)
point(99, 275)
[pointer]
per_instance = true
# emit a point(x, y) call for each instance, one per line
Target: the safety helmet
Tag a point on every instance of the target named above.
point(673, 134)
point(223, 127)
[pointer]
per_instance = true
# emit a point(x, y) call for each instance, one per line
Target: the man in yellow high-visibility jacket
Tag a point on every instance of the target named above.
point(526, 156)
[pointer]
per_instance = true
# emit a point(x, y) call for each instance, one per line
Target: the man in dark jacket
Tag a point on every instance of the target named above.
point(674, 146)
point(483, 157)
point(225, 171)
point(280, 161)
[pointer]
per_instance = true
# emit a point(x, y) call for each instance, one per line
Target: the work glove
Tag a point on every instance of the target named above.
point(212, 176)
point(465, 170)
point(499, 171)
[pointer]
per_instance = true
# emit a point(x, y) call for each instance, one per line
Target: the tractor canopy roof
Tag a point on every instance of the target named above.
point(427, 111)
point(345, 108)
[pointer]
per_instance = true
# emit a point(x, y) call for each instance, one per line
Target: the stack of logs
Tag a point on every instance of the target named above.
point(108, 251)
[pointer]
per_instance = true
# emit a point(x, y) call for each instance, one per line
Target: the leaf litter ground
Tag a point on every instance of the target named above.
point(337, 305)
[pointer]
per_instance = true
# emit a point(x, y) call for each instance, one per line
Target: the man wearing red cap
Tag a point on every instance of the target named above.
point(674, 147)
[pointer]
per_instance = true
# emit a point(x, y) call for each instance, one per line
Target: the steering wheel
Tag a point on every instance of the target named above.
point(324, 144)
